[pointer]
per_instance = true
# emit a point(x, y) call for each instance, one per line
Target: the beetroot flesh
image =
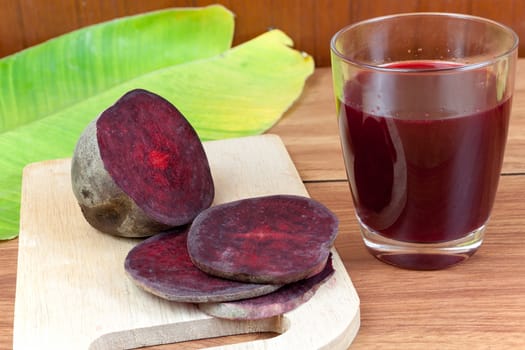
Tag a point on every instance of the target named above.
point(140, 168)
point(155, 156)
point(272, 239)
point(276, 303)
point(161, 265)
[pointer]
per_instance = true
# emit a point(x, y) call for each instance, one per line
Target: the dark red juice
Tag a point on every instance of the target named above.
point(423, 149)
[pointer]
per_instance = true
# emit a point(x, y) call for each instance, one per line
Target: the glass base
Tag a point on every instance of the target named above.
point(421, 256)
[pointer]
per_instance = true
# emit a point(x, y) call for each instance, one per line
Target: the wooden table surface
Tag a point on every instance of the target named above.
point(479, 304)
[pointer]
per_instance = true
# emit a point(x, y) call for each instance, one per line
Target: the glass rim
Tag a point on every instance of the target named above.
point(459, 67)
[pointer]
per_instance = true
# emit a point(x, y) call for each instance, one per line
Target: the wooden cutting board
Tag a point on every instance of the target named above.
point(72, 291)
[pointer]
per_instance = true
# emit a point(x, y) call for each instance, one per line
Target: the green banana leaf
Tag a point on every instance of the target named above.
point(39, 81)
point(241, 91)
point(52, 77)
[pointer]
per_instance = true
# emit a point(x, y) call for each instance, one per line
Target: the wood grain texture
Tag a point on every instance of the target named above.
point(363, 9)
point(12, 37)
point(476, 305)
point(479, 304)
point(44, 20)
point(72, 290)
point(310, 23)
point(8, 265)
point(444, 6)
point(309, 130)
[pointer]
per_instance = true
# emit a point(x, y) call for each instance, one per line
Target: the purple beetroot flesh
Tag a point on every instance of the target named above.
point(282, 300)
point(273, 239)
point(161, 265)
point(140, 168)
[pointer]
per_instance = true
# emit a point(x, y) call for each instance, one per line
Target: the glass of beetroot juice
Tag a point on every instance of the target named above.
point(423, 103)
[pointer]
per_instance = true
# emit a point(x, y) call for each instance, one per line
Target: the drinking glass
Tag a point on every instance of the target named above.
point(423, 103)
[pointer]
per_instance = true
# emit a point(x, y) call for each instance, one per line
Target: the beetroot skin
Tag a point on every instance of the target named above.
point(273, 239)
point(161, 265)
point(282, 300)
point(140, 168)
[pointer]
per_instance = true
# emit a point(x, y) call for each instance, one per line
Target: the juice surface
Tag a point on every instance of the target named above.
point(423, 152)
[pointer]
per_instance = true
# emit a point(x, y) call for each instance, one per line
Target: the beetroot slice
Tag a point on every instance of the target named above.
point(155, 156)
point(273, 239)
point(161, 265)
point(283, 300)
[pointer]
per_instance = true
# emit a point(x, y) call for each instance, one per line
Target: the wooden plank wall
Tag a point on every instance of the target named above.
point(311, 23)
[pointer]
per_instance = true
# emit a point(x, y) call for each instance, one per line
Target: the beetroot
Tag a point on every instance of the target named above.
point(283, 300)
point(273, 239)
point(161, 265)
point(140, 168)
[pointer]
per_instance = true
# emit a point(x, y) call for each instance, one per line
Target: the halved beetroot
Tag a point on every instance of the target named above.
point(272, 239)
point(282, 300)
point(140, 168)
point(161, 265)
